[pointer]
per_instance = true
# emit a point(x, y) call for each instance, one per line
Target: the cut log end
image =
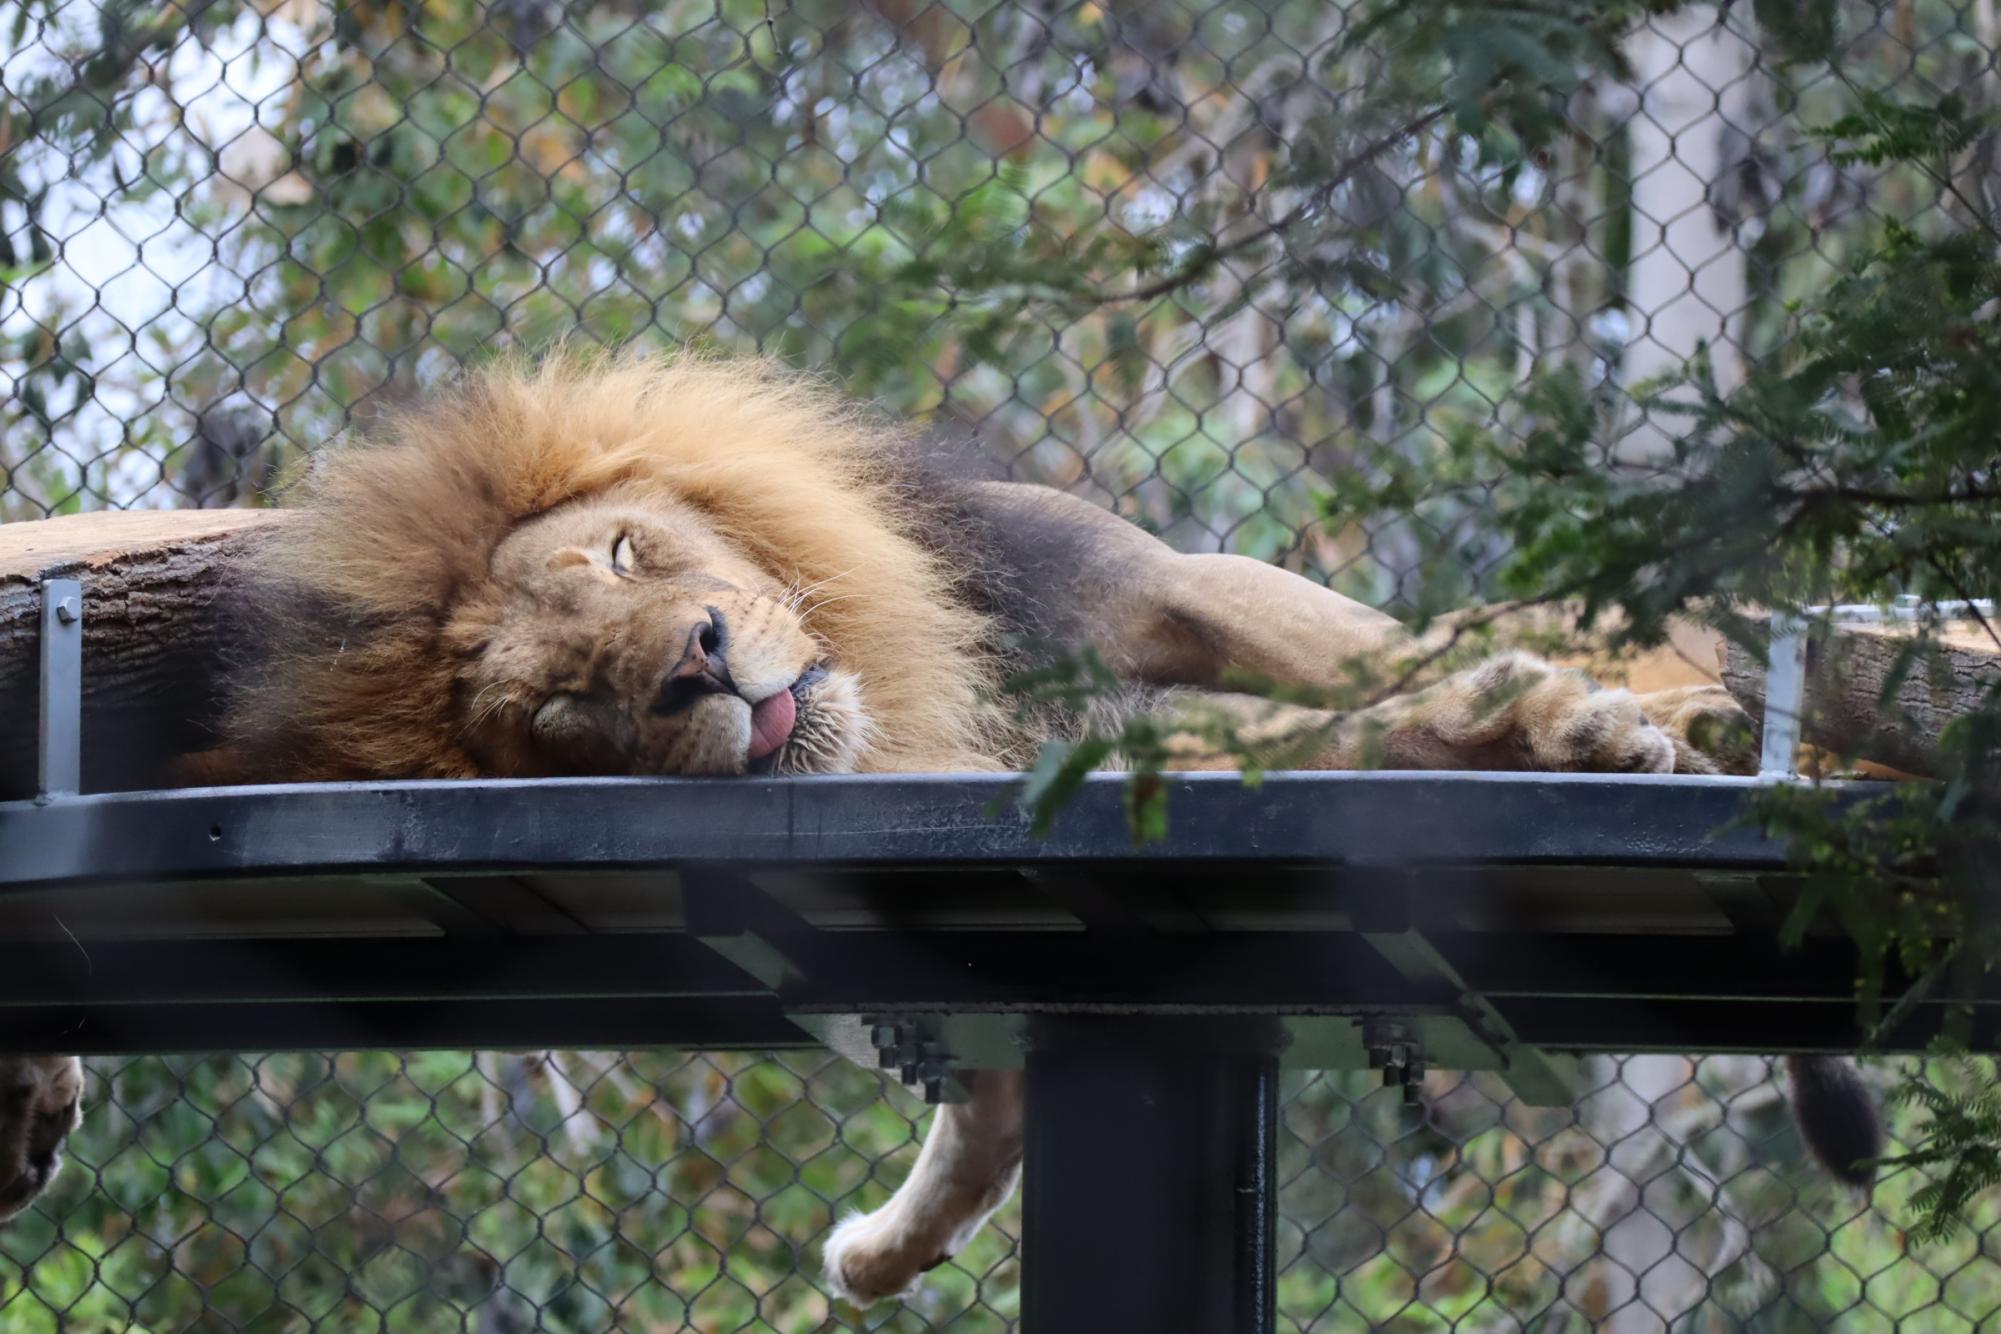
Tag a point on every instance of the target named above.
point(1867, 700)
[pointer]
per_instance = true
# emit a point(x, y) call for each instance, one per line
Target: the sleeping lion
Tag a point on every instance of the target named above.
point(689, 566)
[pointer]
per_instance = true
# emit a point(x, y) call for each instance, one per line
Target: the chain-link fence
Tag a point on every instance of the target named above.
point(1086, 234)
point(1105, 237)
point(650, 1191)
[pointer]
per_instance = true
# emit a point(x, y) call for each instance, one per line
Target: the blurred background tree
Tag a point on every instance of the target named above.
point(1264, 277)
point(1189, 261)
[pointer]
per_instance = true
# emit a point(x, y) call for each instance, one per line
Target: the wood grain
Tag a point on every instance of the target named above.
point(1846, 677)
point(155, 590)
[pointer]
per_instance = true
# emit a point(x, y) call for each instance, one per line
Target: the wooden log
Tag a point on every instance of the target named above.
point(1846, 675)
point(154, 594)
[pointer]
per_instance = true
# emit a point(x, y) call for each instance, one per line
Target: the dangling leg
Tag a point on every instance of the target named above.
point(968, 1167)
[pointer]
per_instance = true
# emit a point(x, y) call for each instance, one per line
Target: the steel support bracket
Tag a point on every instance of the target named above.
point(59, 738)
point(1538, 1077)
point(727, 912)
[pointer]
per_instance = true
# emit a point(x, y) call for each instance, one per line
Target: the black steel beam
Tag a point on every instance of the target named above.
point(1702, 1025)
point(742, 1023)
point(1335, 819)
point(1751, 966)
point(981, 970)
point(978, 969)
point(252, 972)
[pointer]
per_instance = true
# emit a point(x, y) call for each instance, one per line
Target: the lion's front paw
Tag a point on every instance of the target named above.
point(1710, 730)
point(1572, 725)
point(873, 1258)
point(1522, 712)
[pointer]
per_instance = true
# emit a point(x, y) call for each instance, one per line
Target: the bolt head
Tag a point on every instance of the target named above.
point(67, 610)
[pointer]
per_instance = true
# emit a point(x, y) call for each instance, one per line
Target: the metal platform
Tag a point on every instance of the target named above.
point(1501, 913)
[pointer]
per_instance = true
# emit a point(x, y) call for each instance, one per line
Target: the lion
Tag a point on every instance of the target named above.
point(41, 1100)
point(622, 564)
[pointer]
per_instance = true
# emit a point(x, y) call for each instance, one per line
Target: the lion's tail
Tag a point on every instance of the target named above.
point(1837, 1117)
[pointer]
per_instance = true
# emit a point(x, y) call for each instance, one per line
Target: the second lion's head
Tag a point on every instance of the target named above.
point(612, 565)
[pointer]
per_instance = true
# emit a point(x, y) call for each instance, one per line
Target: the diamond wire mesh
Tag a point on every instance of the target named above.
point(228, 229)
point(653, 1190)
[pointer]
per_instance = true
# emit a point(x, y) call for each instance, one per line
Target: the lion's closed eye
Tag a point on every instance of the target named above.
point(583, 731)
point(623, 559)
point(563, 717)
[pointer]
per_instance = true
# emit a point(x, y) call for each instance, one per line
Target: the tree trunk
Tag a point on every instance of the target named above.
point(155, 604)
point(1686, 284)
point(1845, 683)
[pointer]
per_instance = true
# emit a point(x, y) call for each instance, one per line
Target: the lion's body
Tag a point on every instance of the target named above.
point(427, 600)
point(702, 567)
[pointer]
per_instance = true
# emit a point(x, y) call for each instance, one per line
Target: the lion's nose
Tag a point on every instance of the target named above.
point(703, 668)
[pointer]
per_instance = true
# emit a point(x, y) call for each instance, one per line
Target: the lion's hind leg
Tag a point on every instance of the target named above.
point(968, 1168)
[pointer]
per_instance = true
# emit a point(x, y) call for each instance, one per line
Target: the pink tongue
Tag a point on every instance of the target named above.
point(771, 722)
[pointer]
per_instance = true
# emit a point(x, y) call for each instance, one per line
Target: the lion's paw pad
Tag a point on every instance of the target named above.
point(1574, 726)
point(868, 1262)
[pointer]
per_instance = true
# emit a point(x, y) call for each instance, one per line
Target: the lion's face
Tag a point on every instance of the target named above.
point(40, 1104)
point(627, 636)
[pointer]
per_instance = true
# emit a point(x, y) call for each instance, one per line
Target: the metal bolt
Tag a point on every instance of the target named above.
point(889, 1042)
point(67, 611)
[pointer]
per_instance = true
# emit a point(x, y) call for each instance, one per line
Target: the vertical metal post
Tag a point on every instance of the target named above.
point(60, 735)
point(1785, 696)
point(1149, 1200)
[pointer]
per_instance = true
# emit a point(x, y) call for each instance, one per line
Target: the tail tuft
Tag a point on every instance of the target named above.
point(1837, 1117)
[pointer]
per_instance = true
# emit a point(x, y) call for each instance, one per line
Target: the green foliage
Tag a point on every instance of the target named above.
point(1964, 1134)
point(1505, 68)
point(1800, 30)
point(1859, 468)
point(1882, 130)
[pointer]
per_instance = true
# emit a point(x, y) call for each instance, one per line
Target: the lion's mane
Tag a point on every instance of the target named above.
point(393, 529)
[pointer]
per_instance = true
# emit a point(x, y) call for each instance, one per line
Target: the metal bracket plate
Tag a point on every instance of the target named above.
point(60, 734)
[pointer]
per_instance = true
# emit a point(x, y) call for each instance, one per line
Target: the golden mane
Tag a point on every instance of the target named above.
point(393, 531)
